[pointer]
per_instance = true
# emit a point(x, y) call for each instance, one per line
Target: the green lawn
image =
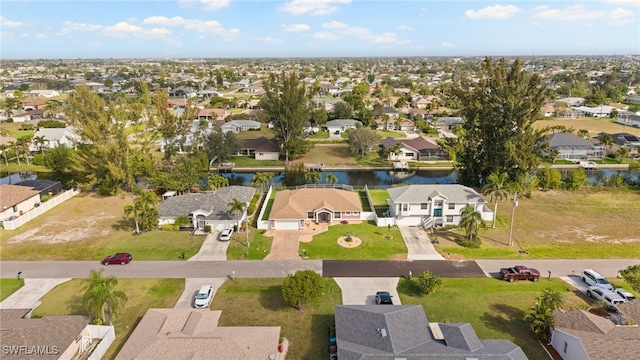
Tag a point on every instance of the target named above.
point(392, 134)
point(9, 286)
point(495, 308)
point(254, 134)
point(374, 244)
point(245, 161)
point(257, 302)
point(379, 198)
point(155, 245)
point(320, 135)
point(66, 299)
point(260, 245)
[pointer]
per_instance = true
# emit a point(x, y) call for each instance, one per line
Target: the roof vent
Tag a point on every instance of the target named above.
point(382, 332)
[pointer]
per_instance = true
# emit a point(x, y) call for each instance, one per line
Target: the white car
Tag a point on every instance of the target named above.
point(225, 235)
point(611, 299)
point(624, 294)
point(203, 297)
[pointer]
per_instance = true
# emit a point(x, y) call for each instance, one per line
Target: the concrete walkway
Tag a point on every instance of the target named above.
point(28, 296)
point(362, 291)
point(418, 244)
point(212, 249)
point(284, 245)
point(191, 287)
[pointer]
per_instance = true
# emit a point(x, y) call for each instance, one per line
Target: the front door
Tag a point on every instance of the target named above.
point(324, 217)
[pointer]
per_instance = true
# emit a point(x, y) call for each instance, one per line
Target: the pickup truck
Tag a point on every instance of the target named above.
point(519, 272)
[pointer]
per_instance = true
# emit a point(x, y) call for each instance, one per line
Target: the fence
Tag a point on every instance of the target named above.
point(107, 334)
point(37, 211)
point(380, 221)
point(264, 224)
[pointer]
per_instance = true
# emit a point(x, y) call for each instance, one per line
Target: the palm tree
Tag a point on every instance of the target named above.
point(312, 177)
point(236, 207)
point(217, 181)
point(261, 180)
point(622, 153)
point(584, 133)
point(331, 179)
point(100, 296)
point(606, 140)
point(471, 221)
point(3, 149)
point(496, 187)
point(552, 298)
point(52, 108)
point(540, 320)
point(16, 150)
point(39, 141)
point(135, 210)
point(142, 207)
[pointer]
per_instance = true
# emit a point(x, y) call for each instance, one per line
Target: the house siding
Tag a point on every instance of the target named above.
point(575, 349)
point(267, 156)
point(23, 207)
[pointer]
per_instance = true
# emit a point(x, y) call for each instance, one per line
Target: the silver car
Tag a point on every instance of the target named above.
point(225, 235)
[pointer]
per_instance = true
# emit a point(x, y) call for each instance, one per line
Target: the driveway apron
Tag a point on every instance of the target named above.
point(212, 249)
point(419, 245)
point(191, 287)
point(362, 291)
point(284, 245)
point(28, 296)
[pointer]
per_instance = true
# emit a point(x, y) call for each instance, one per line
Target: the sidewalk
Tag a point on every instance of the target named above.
point(28, 296)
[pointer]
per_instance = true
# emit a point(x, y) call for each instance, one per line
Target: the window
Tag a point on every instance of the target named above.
point(309, 214)
point(409, 154)
point(356, 213)
point(438, 203)
point(336, 215)
point(405, 207)
point(347, 213)
point(15, 208)
point(424, 206)
point(437, 212)
point(452, 206)
point(449, 218)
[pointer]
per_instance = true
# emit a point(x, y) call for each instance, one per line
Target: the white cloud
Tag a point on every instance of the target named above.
point(326, 36)
point(620, 16)
point(624, 2)
point(341, 30)
point(189, 24)
point(387, 37)
point(207, 5)
point(314, 7)
point(493, 12)
point(159, 32)
point(68, 27)
point(296, 27)
point(447, 45)
point(122, 28)
point(405, 28)
point(335, 25)
point(41, 36)
point(9, 24)
point(270, 40)
point(569, 13)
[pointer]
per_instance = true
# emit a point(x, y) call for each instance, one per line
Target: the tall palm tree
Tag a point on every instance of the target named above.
point(331, 179)
point(261, 179)
point(12, 145)
point(606, 140)
point(236, 207)
point(135, 210)
point(39, 141)
point(540, 320)
point(471, 221)
point(312, 177)
point(3, 149)
point(552, 298)
point(52, 108)
point(496, 188)
point(141, 208)
point(100, 296)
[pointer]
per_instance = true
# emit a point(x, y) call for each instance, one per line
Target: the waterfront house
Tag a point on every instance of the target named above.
point(433, 205)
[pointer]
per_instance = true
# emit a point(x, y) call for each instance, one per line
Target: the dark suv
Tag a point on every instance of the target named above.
point(119, 258)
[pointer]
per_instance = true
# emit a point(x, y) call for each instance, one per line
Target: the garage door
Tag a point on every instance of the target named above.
point(287, 225)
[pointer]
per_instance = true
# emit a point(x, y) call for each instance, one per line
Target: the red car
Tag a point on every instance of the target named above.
point(119, 258)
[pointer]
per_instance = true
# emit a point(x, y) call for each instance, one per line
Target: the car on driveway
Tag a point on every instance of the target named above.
point(225, 235)
point(624, 294)
point(611, 299)
point(203, 297)
point(383, 298)
point(119, 258)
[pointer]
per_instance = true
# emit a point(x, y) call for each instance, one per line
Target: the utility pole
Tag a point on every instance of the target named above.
point(513, 213)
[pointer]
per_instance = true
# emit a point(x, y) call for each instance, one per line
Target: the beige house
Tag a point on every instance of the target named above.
point(181, 334)
point(293, 208)
point(15, 200)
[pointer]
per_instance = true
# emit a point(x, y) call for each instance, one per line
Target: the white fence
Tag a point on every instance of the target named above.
point(37, 211)
point(380, 221)
point(264, 224)
point(107, 334)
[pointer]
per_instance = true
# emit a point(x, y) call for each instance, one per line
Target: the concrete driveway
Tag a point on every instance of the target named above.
point(362, 291)
point(212, 249)
point(28, 296)
point(418, 244)
point(191, 287)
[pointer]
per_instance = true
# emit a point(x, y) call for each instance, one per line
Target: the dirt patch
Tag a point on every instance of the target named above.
point(355, 241)
point(398, 257)
point(305, 238)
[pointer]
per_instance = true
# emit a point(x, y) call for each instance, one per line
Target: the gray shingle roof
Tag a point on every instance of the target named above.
point(568, 139)
point(461, 336)
point(454, 193)
point(214, 203)
point(344, 123)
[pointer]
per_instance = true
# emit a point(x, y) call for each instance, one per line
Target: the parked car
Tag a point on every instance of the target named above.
point(203, 297)
point(383, 298)
point(225, 235)
point(624, 294)
point(593, 278)
point(611, 299)
point(119, 258)
point(519, 272)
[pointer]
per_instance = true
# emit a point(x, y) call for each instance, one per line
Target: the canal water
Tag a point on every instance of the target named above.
point(381, 178)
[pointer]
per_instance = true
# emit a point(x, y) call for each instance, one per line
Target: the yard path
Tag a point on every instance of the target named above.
point(284, 245)
point(28, 296)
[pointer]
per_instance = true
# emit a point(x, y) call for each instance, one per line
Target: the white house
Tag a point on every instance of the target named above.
point(236, 126)
point(55, 137)
point(433, 205)
point(598, 111)
point(629, 120)
point(15, 200)
point(341, 125)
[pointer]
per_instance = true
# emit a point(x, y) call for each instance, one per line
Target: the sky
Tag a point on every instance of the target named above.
point(53, 29)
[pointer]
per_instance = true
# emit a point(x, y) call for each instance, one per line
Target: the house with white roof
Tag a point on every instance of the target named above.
point(55, 137)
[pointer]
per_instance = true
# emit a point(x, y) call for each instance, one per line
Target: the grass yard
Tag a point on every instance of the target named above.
point(9, 286)
point(379, 198)
point(374, 244)
point(260, 245)
point(495, 308)
point(329, 154)
point(143, 294)
point(590, 223)
point(594, 125)
point(320, 135)
point(257, 302)
point(391, 134)
point(89, 227)
point(247, 161)
point(254, 134)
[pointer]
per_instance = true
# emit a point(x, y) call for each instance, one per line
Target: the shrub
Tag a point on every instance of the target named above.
point(207, 228)
point(429, 282)
point(38, 159)
point(465, 242)
point(301, 287)
point(169, 227)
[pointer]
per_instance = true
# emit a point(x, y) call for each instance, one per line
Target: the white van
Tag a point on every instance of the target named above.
point(592, 278)
point(203, 297)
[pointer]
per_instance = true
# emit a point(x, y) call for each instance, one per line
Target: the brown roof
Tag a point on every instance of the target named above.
point(600, 337)
point(294, 204)
point(11, 195)
point(48, 332)
point(34, 102)
point(176, 334)
point(261, 144)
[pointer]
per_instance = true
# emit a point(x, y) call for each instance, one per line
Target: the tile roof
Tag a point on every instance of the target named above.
point(454, 193)
point(11, 195)
point(294, 204)
point(48, 332)
point(215, 203)
point(176, 334)
point(419, 143)
point(261, 144)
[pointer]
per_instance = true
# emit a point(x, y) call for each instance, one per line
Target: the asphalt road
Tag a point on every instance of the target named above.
point(328, 268)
